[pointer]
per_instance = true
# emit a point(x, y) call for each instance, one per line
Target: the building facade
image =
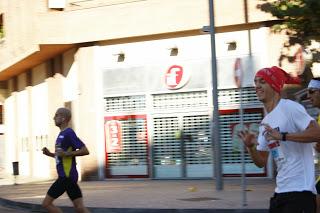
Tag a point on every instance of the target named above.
point(136, 75)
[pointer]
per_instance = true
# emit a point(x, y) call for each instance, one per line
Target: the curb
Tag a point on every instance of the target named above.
point(38, 208)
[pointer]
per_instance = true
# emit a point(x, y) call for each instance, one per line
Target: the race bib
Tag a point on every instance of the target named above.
point(277, 153)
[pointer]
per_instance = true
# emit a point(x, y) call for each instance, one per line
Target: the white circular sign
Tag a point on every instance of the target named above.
point(176, 77)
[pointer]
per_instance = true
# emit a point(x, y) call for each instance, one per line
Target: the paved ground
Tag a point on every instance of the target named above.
point(4, 209)
point(147, 196)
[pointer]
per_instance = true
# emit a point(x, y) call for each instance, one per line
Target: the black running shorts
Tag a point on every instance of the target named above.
point(293, 202)
point(318, 185)
point(63, 184)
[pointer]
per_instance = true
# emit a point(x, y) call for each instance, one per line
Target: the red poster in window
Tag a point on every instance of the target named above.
point(113, 136)
point(238, 73)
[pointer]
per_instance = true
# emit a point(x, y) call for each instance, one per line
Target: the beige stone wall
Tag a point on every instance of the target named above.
point(10, 120)
point(19, 26)
point(26, 121)
point(28, 118)
point(141, 18)
point(88, 108)
point(31, 109)
point(123, 20)
point(30, 23)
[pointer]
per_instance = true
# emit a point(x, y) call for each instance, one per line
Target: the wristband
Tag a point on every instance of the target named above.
point(284, 136)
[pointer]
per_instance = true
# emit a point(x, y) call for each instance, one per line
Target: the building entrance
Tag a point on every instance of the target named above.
point(182, 147)
point(126, 142)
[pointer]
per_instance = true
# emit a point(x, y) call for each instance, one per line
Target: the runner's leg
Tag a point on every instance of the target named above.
point(47, 203)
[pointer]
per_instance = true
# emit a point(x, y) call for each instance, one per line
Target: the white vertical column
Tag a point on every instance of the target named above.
point(22, 127)
point(10, 120)
point(40, 129)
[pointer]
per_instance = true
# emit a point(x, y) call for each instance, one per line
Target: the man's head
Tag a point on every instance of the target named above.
point(270, 81)
point(314, 92)
point(62, 117)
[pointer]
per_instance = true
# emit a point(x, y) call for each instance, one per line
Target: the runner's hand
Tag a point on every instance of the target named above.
point(270, 133)
point(45, 151)
point(248, 138)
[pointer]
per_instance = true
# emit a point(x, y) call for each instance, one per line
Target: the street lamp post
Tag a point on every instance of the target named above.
point(215, 127)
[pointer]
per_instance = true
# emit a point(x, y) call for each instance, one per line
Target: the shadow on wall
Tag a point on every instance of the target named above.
point(91, 174)
point(59, 64)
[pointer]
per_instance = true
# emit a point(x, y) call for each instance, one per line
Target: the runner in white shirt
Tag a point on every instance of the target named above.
point(311, 134)
point(287, 132)
point(294, 161)
point(314, 97)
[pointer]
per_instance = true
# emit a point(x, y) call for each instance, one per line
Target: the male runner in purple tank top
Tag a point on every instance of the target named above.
point(67, 147)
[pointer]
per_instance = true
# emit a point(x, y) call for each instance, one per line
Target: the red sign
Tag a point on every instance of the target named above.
point(113, 136)
point(299, 61)
point(175, 77)
point(238, 72)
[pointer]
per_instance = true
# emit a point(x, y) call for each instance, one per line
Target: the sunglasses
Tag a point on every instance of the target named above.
point(311, 91)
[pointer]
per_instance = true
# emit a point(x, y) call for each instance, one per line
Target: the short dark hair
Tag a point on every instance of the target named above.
point(65, 112)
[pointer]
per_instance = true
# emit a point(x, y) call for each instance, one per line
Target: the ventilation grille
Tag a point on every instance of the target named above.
point(197, 139)
point(185, 100)
point(170, 149)
point(230, 98)
point(125, 103)
point(229, 126)
point(166, 144)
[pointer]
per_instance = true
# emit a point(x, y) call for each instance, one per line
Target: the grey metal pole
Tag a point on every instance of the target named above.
point(215, 127)
point(243, 164)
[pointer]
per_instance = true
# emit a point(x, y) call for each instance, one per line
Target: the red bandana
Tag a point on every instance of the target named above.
point(277, 77)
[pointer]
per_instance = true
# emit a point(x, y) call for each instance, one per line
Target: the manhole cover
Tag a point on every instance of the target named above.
point(199, 199)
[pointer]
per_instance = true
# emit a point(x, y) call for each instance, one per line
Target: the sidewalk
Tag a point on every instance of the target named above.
point(147, 196)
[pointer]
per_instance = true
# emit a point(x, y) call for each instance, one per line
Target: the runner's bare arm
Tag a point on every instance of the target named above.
point(79, 152)
point(260, 158)
point(309, 135)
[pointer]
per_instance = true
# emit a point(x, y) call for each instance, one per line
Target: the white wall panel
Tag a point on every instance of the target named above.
point(40, 122)
point(23, 132)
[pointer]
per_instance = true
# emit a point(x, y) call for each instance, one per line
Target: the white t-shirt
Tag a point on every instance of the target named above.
point(294, 160)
